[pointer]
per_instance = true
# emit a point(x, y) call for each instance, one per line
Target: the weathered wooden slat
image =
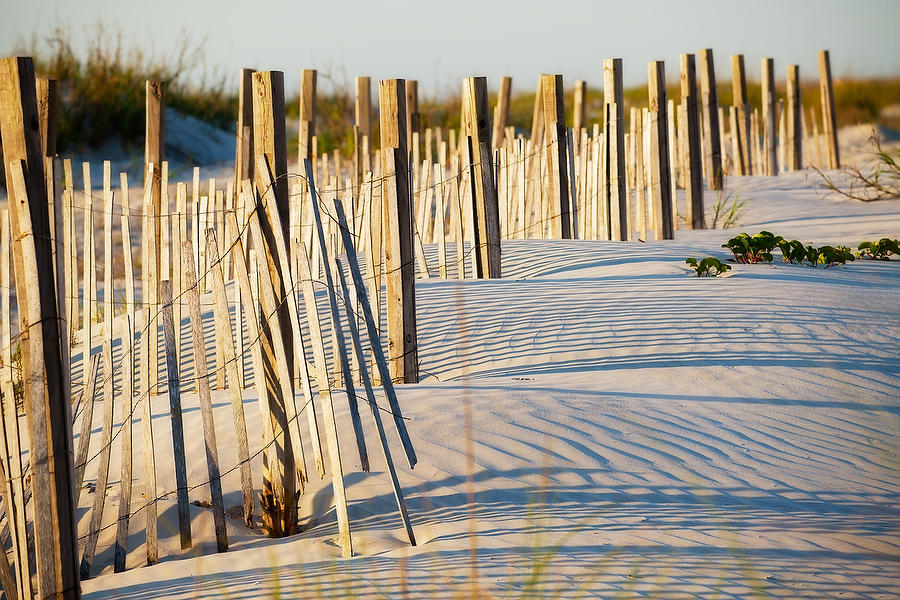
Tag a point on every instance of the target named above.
point(291, 290)
point(254, 333)
point(46, 400)
point(86, 405)
point(375, 343)
point(109, 390)
point(150, 507)
point(376, 415)
point(324, 385)
point(173, 386)
point(127, 470)
point(10, 420)
point(225, 341)
point(202, 382)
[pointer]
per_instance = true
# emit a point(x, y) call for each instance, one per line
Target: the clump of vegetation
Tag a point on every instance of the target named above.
point(880, 250)
point(708, 267)
point(753, 249)
point(792, 251)
point(727, 210)
point(882, 181)
point(830, 256)
point(102, 90)
point(758, 248)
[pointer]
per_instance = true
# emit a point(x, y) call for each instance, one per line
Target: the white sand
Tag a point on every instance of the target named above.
point(635, 432)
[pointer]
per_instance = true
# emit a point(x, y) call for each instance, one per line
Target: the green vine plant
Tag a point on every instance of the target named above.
point(880, 250)
point(758, 248)
point(708, 267)
point(753, 249)
point(794, 251)
point(727, 210)
point(880, 183)
point(831, 256)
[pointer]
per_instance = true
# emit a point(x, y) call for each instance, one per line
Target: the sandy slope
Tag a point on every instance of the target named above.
point(598, 423)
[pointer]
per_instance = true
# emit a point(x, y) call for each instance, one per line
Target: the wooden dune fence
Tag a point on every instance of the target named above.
point(309, 276)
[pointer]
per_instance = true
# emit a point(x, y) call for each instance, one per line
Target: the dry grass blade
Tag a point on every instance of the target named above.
point(881, 183)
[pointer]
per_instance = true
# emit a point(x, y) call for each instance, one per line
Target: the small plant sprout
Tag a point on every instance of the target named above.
point(708, 267)
point(880, 250)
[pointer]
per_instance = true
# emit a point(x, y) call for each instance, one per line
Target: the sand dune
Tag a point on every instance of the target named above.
point(600, 424)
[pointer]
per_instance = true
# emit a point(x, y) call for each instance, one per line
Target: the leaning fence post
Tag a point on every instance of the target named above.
point(50, 408)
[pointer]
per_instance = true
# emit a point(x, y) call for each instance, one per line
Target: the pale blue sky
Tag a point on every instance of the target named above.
point(440, 42)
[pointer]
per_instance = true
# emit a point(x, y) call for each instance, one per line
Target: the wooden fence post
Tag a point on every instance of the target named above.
point(712, 148)
point(48, 113)
point(362, 136)
point(578, 117)
point(398, 232)
point(308, 85)
point(739, 91)
point(413, 117)
point(269, 141)
point(554, 112)
point(829, 118)
point(243, 161)
point(693, 162)
point(501, 112)
point(794, 142)
point(155, 152)
point(616, 198)
point(661, 199)
point(476, 125)
point(768, 117)
point(50, 407)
